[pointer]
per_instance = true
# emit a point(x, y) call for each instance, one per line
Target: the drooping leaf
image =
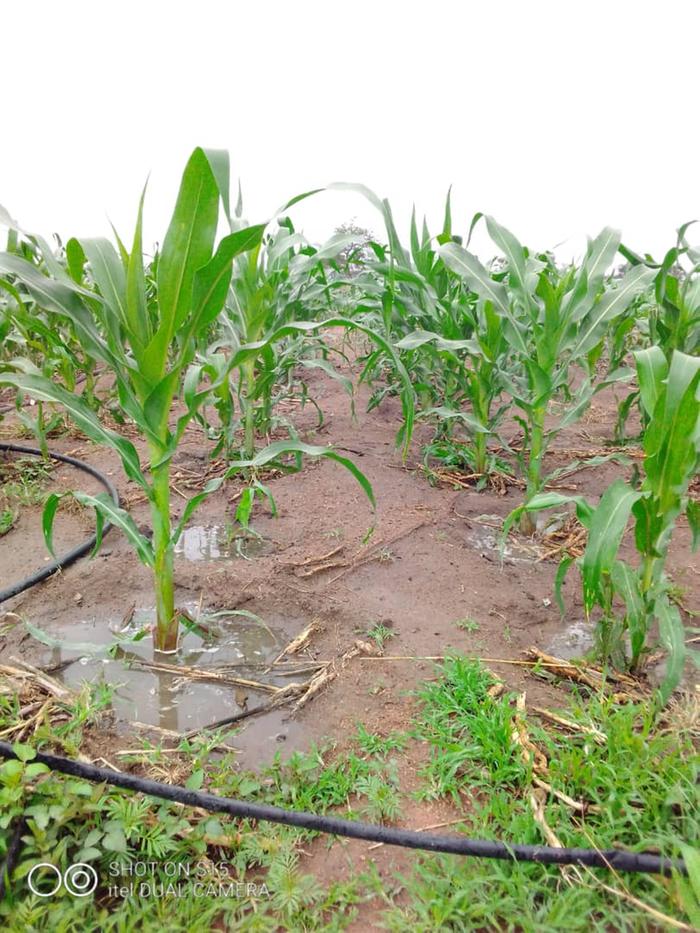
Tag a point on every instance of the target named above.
point(672, 637)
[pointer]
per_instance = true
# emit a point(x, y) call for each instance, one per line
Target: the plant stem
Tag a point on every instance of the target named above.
point(249, 437)
point(646, 585)
point(479, 452)
point(481, 410)
point(166, 634)
point(534, 468)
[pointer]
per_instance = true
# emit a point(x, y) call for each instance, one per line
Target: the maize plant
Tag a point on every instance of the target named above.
point(147, 338)
point(462, 346)
point(672, 316)
point(451, 344)
point(279, 282)
point(631, 599)
point(555, 324)
point(49, 341)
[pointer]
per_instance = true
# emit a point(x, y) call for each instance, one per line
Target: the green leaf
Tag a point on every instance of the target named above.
point(612, 304)
point(446, 414)
point(114, 840)
point(121, 519)
point(515, 255)
point(672, 438)
point(652, 370)
point(625, 582)
point(691, 857)
point(607, 526)
point(478, 279)
point(137, 318)
point(43, 389)
point(245, 506)
point(562, 570)
point(108, 273)
point(195, 780)
point(48, 517)
point(187, 247)
point(61, 298)
point(211, 282)
point(672, 637)
point(599, 257)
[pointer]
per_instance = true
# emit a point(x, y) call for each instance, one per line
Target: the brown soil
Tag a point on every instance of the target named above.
point(432, 566)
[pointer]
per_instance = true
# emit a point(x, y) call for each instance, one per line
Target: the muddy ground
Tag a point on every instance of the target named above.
point(430, 562)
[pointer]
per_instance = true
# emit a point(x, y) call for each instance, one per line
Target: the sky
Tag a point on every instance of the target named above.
point(556, 117)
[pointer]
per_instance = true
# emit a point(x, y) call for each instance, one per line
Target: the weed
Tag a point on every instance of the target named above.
point(7, 521)
point(468, 625)
point(372, 744)
point(380, 634)
point(383, 802)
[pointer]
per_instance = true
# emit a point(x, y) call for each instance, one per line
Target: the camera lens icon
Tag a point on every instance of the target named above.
point(80, 879)
point(46, 880)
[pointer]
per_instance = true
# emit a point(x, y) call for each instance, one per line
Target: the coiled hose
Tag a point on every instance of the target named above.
point(84, 548)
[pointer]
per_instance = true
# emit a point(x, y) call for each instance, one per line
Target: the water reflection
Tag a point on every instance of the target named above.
point(168, 699)
point(217, 542)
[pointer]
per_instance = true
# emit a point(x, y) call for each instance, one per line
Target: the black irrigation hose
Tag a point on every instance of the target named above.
point(66, 559)
point(455, 845)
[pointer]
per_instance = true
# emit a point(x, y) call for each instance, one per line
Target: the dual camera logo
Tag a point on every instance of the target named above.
point(46, 880)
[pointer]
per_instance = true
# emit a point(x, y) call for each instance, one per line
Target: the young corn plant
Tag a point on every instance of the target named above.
point(555, 324)
point(451, 343)
point(672, 315)
point(460, 342)
point(147, 337)
point(670, 395)
point(280, 282)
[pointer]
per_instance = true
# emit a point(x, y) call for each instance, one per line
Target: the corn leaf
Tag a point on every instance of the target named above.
point(607, 526)
point(672, 637)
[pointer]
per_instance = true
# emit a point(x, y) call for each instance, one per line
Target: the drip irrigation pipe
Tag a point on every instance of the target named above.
point(616, 859)
point(65, 559)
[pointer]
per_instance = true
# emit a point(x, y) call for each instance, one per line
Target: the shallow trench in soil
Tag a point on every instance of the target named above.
point(430, 574)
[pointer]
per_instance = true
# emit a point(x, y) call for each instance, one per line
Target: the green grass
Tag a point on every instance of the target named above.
point(22, 484)
point(643, 779)
point(7, 521)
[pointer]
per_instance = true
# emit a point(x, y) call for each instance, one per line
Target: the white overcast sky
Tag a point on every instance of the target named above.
point(556, 117)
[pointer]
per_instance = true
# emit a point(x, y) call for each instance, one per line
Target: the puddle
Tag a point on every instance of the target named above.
point(243, 649)
point(216, 542)
point(485, 537)
point(576, 639)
